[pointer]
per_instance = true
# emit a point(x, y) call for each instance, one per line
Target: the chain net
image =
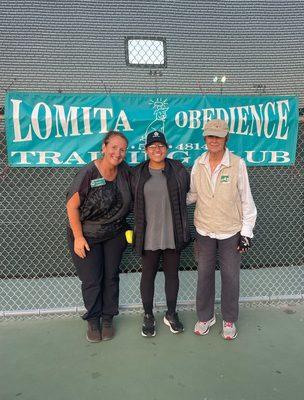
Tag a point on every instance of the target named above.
point(37, 276)
point(145, 52)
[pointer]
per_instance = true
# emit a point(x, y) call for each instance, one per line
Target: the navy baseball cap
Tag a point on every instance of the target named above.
point(156, 136)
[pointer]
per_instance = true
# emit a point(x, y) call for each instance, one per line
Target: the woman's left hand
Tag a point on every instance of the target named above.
point(244, 244)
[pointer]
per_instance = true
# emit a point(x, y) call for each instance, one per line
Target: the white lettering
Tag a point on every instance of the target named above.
point(74, 157)
point(243, 115)
point(270, 157)
point(276, 156)
point(208, 114)
point(133, 157)
point(94, 155)
point(282, 118)
point(64, 121)
point(194, 118)
point(47, 118)
point(23, 156)
point(232, 119)
point(51, 155)
point(181, 119)
point(267, 118)
point(103, 118)
point(257, 118)
point(86, 120)
point(251, 153)
point(221, 113)
point(172, 155)
point(124, 122)
point(16, 121)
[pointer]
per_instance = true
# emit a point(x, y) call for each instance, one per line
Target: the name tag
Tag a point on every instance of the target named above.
point(98, 182)
point(225, 179)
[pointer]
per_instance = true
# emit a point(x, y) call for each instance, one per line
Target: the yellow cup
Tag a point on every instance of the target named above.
point(129, 236)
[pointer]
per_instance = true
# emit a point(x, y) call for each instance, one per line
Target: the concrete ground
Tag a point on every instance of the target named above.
point(51, 360)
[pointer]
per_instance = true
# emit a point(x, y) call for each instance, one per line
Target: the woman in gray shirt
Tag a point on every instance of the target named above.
point(160, 186)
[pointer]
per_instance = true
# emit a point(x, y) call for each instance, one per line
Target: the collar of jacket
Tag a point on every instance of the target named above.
point(177, 165)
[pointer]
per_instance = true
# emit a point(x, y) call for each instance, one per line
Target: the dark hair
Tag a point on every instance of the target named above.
point(111, 134)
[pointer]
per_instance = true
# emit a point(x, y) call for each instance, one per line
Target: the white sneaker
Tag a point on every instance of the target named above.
point(203, 327)
point(229, 330)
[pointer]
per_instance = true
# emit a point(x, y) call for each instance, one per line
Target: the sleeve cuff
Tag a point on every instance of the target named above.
point(247, 232)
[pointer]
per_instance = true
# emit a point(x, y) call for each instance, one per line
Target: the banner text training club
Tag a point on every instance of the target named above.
point(66, 130)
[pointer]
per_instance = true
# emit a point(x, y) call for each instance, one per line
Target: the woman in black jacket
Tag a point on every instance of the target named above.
point(160, 186)
point(98, 203)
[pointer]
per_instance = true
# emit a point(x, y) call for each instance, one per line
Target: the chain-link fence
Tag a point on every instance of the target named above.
point(37, 275)
point(145, 52)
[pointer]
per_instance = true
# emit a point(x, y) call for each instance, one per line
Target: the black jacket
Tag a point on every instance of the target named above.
point(103, 209)
point(178, 181)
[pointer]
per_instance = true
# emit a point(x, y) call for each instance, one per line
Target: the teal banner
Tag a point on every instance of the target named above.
point(66, 130)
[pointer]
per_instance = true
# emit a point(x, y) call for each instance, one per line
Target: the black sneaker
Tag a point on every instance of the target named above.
point(148, 327)
point(173, 322)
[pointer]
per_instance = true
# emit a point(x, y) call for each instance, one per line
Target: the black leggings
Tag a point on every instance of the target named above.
point(99, 275)
point(150, 264)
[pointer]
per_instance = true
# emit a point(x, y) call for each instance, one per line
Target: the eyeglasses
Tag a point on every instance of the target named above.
point(156, 146)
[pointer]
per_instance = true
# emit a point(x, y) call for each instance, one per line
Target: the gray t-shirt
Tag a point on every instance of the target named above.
point(159, 230)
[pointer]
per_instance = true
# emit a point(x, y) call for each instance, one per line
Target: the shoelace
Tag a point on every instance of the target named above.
point(204, 323)
point(228, 324)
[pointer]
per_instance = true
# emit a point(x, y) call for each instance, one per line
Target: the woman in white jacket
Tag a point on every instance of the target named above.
point(224, 218)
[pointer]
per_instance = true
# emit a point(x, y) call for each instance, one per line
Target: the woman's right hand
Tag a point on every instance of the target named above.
point(80, 246)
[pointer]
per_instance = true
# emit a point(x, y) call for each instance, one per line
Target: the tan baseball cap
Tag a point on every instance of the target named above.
point(216, 127)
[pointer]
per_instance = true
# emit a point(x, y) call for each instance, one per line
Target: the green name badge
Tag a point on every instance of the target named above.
point(225, 179)
point(98, 182)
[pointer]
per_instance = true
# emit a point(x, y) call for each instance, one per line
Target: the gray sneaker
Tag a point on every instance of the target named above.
point(93, 331)
point(229, 330)
point(203, 327)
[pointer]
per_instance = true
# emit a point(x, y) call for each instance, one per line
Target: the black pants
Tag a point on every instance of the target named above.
point(99, 275)
point(150, 264)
